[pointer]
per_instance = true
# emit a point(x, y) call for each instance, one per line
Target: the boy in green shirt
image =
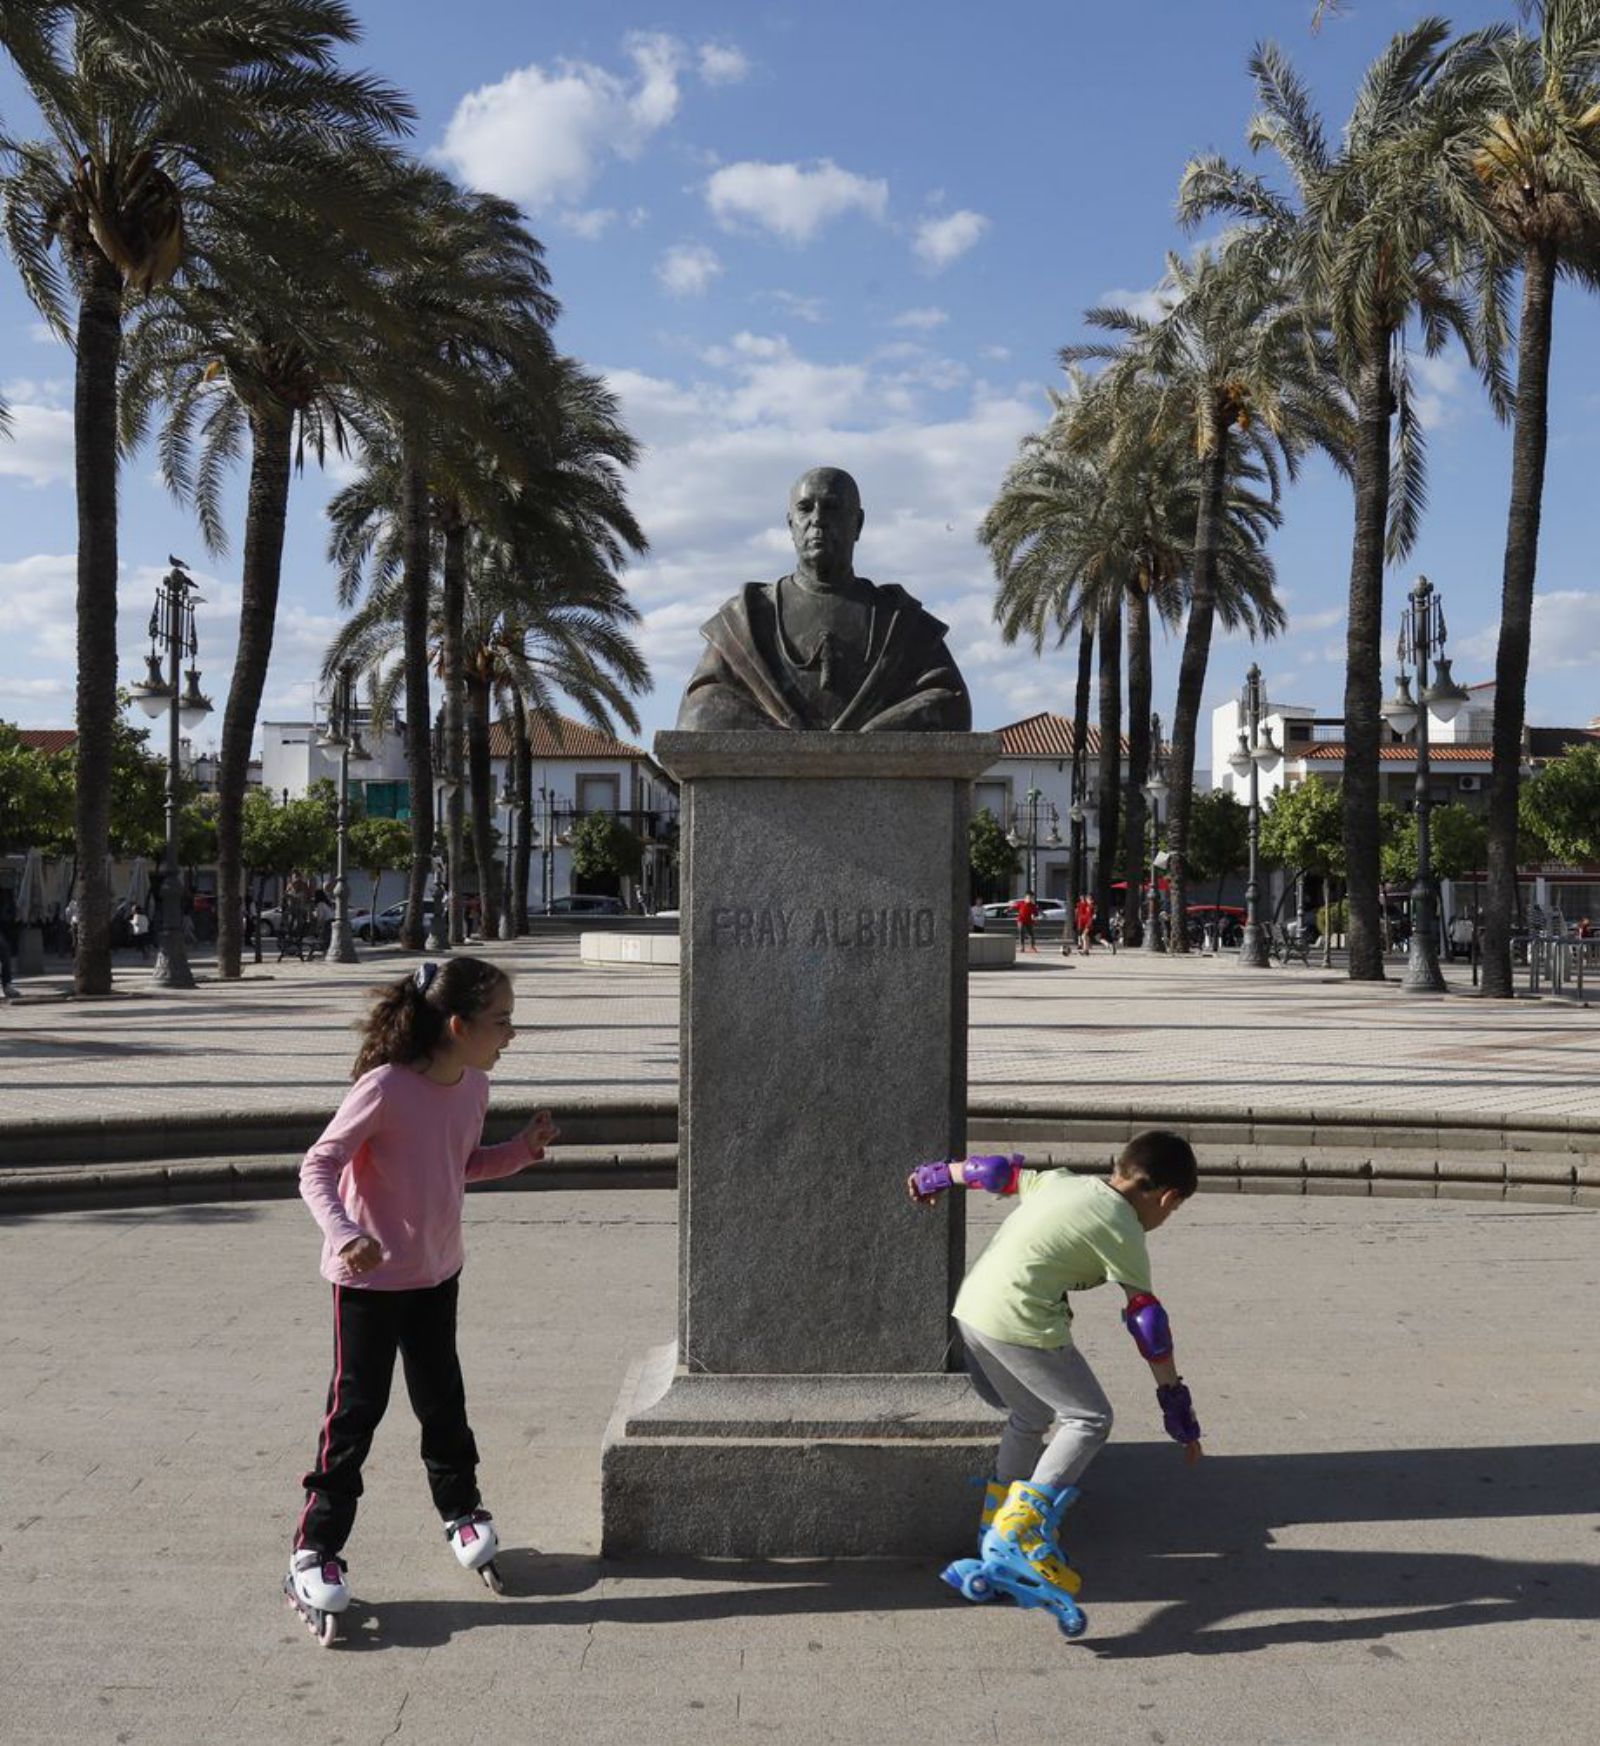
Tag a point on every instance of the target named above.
point(1069, 1233)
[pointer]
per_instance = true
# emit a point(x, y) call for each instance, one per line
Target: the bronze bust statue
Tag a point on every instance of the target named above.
point(824, 649)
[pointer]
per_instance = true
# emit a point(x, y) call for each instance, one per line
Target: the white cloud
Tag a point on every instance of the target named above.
point(802, 308)
point(1442, 388)
point(995, 354)
point(688, 269)
point(589, 223)
point(1566, 634)
point(39, 449)
point(924, 320)
point(723, 64)
point(791, 201)
point(542, 136)
point(939, 241)
point(1151, 305)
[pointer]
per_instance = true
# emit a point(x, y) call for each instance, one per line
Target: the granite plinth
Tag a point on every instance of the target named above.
point(792, 1466)
point(807, 1408)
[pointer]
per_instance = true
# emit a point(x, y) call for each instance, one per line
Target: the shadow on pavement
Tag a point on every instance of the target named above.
point(1192, 1550)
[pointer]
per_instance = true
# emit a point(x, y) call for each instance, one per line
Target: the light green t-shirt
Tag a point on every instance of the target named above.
point(1067, 1233)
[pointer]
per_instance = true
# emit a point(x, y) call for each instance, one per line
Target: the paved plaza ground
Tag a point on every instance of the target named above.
point(1391, 1542)
point(1152, 1033)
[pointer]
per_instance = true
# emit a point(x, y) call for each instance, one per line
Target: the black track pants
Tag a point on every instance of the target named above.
point(369, 1327)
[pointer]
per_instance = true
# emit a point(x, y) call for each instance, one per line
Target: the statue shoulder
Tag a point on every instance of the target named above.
point(896, 599)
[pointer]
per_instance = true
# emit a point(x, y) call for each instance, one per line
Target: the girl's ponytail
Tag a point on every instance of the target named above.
point(409, 1018)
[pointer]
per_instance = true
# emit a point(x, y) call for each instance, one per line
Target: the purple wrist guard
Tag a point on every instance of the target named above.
point(1177, 1412)
point(930, 1179)
point(993, 1171)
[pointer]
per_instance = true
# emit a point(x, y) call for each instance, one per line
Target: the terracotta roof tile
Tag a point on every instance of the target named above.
point(577, 741)
point(1398, 754)
point(49, 740)
point(1045, 736)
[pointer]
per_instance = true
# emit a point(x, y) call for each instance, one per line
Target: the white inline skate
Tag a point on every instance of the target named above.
point(316, 1588)
point(473, 1540)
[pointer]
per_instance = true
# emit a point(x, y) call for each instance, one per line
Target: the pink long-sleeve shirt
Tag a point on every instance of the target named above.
point(394, 1164)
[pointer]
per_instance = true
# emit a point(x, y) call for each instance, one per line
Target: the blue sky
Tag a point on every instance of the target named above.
point(849, 234)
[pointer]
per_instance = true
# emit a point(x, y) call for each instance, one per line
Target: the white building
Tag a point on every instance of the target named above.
point(1029, 791)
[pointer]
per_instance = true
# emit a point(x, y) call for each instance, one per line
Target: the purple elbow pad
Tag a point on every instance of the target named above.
point(993, 1171)
point(930, 1179)
point(1147, 1321)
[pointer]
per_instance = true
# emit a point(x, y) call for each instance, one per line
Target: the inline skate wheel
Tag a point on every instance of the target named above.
point(328, 1630)
point(1074, 1627)
point(492, 1578)
point(977, 1587)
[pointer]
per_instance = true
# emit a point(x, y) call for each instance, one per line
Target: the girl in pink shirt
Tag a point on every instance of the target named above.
point(386, 1182)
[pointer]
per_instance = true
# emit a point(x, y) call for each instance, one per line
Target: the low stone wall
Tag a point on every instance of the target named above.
point(654, 950)
point(991, 951)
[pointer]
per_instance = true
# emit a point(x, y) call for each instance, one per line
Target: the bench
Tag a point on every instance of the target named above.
point(1288, 943)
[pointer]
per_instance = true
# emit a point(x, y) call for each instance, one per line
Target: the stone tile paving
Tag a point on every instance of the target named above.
point(1158, 1035)
point(1391, 1542)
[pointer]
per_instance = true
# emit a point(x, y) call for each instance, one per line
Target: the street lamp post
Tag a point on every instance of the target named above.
point(1156, 788)
point(1254, 753)
point(1035, 803)
point(172, 629)
point(508, 896)
point(341, 735)
point(1422, 638)
point(439, 939)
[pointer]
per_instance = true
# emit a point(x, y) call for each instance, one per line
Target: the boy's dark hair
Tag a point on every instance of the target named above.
point(1159, 1160)
point(408, 1019)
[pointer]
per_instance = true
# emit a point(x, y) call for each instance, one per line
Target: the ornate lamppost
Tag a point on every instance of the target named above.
point(1422, 637)
point(444, 875)
point(1255, 752)
point(341, 734)
point(172, 629)
point(1156, 788)
point(1033, 804)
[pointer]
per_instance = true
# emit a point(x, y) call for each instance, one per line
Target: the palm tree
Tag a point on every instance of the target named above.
point(259, 344)
point(528, 637)
point(145, 122)
point(473, 311)
point(1366, 244)
point(1523, 182)
point(1096, 520)
point(1235, 370)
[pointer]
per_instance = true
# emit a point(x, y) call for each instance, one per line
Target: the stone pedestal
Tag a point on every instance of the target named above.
point(808, 1406)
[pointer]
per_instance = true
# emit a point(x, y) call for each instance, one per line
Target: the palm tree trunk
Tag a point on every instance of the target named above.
point(94, 417)
point(271, 433)
point(419, 749)
point(1528, 442)
point(1080, 747)
point(519, 719)
point(1363, 681)
point(1192, 684)
point(482, 778)
point(455, 608)
point(1110, 757)
point(1140, 685)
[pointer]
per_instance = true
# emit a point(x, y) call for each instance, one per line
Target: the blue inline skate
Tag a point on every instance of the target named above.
point(1018, 1555)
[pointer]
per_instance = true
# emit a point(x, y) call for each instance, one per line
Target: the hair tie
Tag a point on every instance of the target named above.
point(423, 976)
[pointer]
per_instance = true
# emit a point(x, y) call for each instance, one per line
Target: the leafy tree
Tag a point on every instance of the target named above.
point(1561, 805)
point(1302, 829)
point(1457, 838)
point(35, 798)
point(1219, 837)
point(377, 844)
point(604, 848)
point(993, 861)
point(1364, 236)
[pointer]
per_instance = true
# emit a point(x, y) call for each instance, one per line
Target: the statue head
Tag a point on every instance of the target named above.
point(825, 521)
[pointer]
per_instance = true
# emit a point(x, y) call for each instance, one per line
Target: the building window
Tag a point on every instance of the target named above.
point(599, 794)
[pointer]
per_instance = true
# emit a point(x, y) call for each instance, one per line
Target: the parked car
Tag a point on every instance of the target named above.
point(584, 903)
point(1051, 909)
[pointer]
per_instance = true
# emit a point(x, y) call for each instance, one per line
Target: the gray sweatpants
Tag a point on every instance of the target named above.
point(1037, 1388)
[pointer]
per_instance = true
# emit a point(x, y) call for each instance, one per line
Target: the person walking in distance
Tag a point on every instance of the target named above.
point(386, 1182)
point(1083, 922)
point(1027, 923)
